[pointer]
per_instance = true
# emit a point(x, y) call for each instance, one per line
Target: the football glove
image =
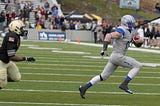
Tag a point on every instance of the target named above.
point(103, 53)
point(29, 59)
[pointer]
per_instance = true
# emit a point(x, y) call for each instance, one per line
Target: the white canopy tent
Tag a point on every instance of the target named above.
point(157, 21)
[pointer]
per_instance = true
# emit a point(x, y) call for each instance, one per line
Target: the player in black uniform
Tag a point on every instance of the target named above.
point(11, 42)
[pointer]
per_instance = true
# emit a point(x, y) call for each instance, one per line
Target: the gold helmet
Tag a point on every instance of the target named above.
point(16, 26)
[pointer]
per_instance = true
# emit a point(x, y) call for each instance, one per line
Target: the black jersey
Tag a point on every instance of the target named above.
point(10, 45)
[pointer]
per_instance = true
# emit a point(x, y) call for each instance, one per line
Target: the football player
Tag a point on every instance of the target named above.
point(123, 36)
point(10, 44)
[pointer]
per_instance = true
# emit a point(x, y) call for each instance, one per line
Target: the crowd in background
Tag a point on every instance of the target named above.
point(151, 35)
point(46, 17)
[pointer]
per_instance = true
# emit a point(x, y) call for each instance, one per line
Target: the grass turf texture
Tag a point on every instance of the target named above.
point(53, 80)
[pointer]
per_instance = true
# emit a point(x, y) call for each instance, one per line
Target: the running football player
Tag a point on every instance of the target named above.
point(123, 36)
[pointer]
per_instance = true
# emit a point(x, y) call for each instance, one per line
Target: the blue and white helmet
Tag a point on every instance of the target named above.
point(128, 21)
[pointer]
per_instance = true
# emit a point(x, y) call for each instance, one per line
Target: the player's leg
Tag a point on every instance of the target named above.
point(13, 72)
point(135, 68)
point(108, 70)
point(3, 75)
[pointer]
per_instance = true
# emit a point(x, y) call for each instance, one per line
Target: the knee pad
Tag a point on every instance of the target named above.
point(101, 78)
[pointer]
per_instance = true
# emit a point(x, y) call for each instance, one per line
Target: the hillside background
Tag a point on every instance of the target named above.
point(109, 9)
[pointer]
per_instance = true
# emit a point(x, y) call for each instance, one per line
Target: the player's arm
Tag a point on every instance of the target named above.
point(107, 40)
point(19, 58)
point(113, 35)
point(11, 51)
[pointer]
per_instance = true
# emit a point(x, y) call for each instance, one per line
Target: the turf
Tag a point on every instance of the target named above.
point(54, 78)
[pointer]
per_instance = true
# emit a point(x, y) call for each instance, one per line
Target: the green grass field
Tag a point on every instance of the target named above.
point(53, 80)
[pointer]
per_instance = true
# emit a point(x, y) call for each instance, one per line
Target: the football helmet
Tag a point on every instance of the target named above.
point(17, 27)
point(128, 21)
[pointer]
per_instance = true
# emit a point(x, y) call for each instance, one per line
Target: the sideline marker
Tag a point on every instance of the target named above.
point(59, 39)
point(79, 40)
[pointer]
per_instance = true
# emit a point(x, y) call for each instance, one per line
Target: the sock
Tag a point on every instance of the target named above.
point(88, 85)
point(127, 80)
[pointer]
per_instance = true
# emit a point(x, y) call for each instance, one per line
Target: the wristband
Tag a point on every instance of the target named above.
point(24, 58)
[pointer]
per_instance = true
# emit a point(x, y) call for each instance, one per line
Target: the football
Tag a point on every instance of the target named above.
point(136, 37)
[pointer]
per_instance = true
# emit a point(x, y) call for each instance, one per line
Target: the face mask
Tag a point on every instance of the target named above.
point(24, 33)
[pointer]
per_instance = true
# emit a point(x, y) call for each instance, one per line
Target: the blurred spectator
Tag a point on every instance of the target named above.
point(24, 12)
point(13, 14)
point(7, 7)
point(46, 6)
point(38, 15)
point(157, 7)
point(63, 28)
point(157, 37)
point(42, 11)
point(22, 4)
point(72, 25)
point(89, 25)
point(31, 6)
point(54, 10)
point(9, 17)
point(27, 23)
point(151, 40)
point(104, 26)
point(146, 36)
point(99, 30)
point(94, 25)
point(2, 20)
point(54, 26)
point(141, 32)
point(57, 21)
point(61, 21)
point(48, 24)
point(17, 7)
point(78, 25)
point(38, 26)
point(42, 21)
point(107, 29)
point(67, 24)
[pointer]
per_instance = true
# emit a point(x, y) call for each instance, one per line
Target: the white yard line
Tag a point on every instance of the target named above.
point(91, 92)
point(80, 75)
point(68, 69)
point(52, 104)
point(80, 82)
point(43, 48)
point(145, 64)
point(70, 52)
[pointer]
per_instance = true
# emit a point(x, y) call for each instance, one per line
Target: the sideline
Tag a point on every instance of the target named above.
point(130, 48)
